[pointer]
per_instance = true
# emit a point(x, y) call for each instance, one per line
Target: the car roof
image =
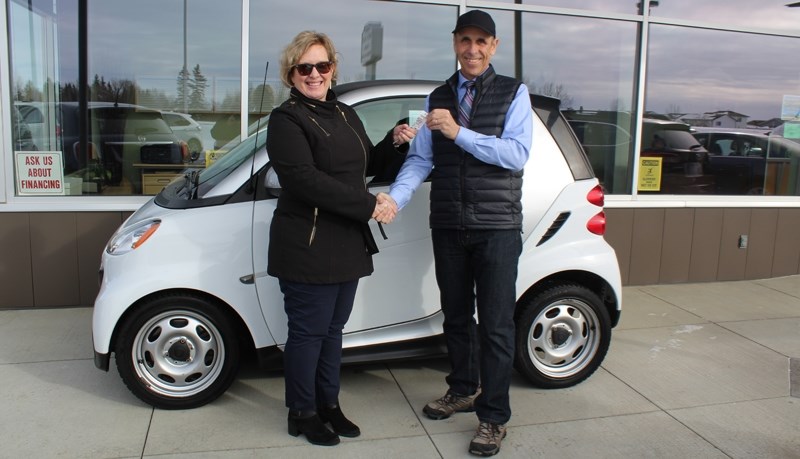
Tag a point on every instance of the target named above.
point(665, 123)
point(417, 87)
point(751, 131)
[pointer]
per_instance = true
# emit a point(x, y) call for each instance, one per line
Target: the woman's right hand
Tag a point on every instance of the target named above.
point(385, 208)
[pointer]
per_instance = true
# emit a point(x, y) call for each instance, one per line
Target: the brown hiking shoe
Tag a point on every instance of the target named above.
point(487, 439)
point(442, 408)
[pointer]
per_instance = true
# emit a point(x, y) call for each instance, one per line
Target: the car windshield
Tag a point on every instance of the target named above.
point(678, 140)
point(130, 122)
point(231, 156)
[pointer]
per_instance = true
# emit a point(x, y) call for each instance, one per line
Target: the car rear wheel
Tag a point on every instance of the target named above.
point(177, 352)
point(195, 149)
point(562, 336)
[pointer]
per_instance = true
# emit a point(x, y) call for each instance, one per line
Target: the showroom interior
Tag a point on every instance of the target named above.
point(688, 111)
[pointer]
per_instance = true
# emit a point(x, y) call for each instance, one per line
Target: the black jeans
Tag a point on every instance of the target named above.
point(313, 353)
point(479, 267)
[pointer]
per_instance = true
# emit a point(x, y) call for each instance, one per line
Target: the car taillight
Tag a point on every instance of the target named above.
point(596, 196)
point(185, 151)
point(597, 224)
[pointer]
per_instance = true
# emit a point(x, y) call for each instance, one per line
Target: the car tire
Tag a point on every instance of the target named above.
point(177, 351)
point(562, 336)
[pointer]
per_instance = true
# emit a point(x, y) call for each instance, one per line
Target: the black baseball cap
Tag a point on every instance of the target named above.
point(476, 18)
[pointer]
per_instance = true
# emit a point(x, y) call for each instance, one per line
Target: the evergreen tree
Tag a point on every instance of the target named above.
point(197, 85)
point(262, 99)
point(184, 80)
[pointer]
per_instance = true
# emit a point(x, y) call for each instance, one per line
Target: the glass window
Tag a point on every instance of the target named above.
point(173, 70)
point(775, 15)
point(149, 61)
point(374, 40)
point(41, 69)
point(630, 7)
point(729, 90)
point(592, 70)
point(43, 62)
point(381, 116)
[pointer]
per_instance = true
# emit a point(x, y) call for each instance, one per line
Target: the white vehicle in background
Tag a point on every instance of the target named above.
point(188, 130)
point(177, 306)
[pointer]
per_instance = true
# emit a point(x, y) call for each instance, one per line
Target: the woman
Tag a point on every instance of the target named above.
point(320, 241)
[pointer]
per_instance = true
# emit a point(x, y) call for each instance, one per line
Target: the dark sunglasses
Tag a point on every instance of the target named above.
point(322, 68)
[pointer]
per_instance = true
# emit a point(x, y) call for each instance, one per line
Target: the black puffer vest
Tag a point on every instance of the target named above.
point(467, 193)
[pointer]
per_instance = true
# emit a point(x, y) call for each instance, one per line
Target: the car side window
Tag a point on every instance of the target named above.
point(382, 115)
point(175, 120)
point(379, 116)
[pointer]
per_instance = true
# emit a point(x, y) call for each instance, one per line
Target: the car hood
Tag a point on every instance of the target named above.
point(150, 210)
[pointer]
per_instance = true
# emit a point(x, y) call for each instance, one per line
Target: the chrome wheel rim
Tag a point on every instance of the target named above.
point(563, 338)
point(178, 353)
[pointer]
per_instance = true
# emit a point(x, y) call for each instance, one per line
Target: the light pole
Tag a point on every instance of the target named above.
point(185, 71)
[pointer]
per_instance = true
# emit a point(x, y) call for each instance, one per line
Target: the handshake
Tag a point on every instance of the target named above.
point(385, 208)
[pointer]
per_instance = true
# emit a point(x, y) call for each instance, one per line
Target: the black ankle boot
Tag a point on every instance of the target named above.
point(341, 425)
point(309, 423)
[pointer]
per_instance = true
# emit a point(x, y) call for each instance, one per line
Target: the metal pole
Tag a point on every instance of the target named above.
point(518, 42)
point(185, 61)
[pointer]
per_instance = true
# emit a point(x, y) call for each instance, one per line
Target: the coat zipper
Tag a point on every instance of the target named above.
point(364, 171)
point(363, 149)
point(313, 227)
point(316, 209)
point(318, 125)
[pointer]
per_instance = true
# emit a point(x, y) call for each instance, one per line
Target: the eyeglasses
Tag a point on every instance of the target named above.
point(322, 68)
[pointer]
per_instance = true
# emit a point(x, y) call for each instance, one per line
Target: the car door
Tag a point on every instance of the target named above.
point(738, 164)
point(401, 294)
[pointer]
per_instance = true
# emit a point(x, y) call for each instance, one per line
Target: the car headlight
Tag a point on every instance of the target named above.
point(132, 238)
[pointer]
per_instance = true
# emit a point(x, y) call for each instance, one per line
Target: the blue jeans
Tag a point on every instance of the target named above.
point(313, 354)
point(479, 267)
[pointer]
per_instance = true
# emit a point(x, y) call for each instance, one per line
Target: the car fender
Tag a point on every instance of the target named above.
point(561, 242)
point(193, 235)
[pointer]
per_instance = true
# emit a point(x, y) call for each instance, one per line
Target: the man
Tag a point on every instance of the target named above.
point(476, 221)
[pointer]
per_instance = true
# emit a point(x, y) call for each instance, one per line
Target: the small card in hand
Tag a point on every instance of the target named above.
point(420, 120)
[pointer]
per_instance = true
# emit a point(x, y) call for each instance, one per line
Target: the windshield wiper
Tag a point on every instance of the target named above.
point(191, 182)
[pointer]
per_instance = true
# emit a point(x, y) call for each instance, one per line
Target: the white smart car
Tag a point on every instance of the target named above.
point(185, 288)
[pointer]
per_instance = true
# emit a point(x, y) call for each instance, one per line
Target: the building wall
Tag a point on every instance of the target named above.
point(52, 259)
point(669, 246)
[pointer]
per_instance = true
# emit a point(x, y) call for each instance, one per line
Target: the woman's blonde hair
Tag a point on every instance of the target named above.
point(299, 45)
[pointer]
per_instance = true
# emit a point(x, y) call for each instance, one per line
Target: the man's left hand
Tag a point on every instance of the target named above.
point(441, 119)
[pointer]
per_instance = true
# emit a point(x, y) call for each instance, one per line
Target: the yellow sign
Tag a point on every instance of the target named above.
point(649, 174)
point(213, 155)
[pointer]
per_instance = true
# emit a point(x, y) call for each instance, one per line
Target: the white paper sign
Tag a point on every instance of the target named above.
point(39, 173)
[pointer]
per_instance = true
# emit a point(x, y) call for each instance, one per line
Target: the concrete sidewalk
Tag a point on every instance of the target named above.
point(694, 370)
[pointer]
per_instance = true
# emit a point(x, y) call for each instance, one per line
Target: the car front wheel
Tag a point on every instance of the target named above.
point(177, 352)
point(562, 336)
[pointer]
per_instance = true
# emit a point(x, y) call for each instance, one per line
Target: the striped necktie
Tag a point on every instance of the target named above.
point(465, 107)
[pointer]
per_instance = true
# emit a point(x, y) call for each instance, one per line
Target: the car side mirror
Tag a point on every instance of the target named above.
point(271, 183)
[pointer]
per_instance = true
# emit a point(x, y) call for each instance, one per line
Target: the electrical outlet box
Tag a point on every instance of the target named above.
point(743, 241)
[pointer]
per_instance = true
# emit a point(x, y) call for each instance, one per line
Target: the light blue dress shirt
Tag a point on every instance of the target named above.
point(509, 151)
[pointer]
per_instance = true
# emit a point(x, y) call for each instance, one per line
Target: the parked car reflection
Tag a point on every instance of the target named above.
point(187, 130)
point(751, 161)
point(684, 168)
point(685, 162)
point(605, 144)
point(21, 135)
